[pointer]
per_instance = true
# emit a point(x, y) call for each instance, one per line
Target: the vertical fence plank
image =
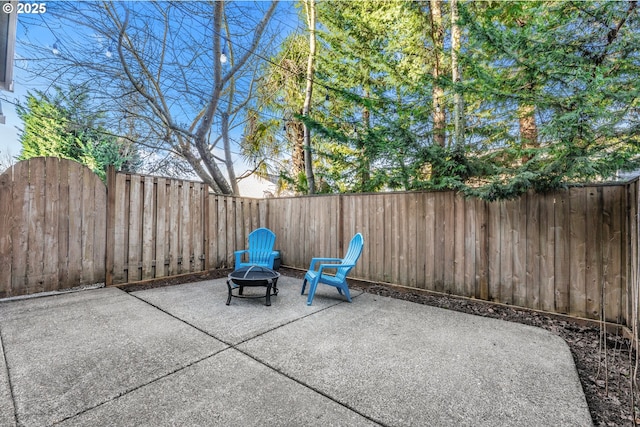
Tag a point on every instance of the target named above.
point(419, 247)
point(507, 218)
point(562, 256)
point(110, 225)
point(376, 238)
point(367, 209)
point(448, 219)
point(494, 234)
point(214, 224)
point(148, 227)
point(303, 234)
point(410, 229)
point(593, 249)
point(99, 229)
point(50, 225)
point(186, 229)
point(482, 250)
point(577, 247)
point(399, 268)
point(88, 227)
point(388, 238)
point(135, 229)
point(532, 232)
point(35, 259)
point(471, 244)
point(226, 240)
point(546, 282)
point(120, 234)
point(629, 291)
point(613, 208)
point(231, 236)
point(519, 233)
point(365, 223)
point(76, 177)
point(199, 241)
point(460, 258)
point(222, 232)
point(206, 223)
point(439, 242)
point(174, 226)
point(7, 232)
point(20, 228)
point(161, 228)
point(430, 237)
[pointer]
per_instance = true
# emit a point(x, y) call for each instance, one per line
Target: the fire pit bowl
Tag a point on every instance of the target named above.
point(252, 275)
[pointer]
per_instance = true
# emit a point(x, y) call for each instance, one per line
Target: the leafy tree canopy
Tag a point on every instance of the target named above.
point(63, 125)
point(550, 95)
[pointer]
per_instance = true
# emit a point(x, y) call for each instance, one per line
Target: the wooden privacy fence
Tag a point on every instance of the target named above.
point(52, 226)
point(573, 251)
point(161, 227)
point(60, 227)
point(568, 252)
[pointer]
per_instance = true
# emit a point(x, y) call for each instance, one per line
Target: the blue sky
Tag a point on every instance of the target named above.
point(46, 30)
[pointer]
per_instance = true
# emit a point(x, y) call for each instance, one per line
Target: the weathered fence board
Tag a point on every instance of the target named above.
point(51, 230)
point(6, 231)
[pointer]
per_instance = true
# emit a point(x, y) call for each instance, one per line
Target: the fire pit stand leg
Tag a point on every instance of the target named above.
point(230, 294)
point(268, 296)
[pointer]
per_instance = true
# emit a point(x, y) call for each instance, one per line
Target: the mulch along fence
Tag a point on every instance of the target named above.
point(572, 252)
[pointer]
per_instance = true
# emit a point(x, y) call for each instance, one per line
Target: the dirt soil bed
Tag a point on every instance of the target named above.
point(605, 376)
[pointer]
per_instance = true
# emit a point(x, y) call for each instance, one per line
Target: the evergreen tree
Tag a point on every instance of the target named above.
point(549, 95)
point(575, 65)
point(64, 126)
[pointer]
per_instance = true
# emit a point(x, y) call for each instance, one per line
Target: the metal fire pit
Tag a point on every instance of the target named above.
point(252, 275)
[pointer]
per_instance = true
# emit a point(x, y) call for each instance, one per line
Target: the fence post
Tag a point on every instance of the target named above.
point(110, 235)
point(340, 225)
point(206, 228)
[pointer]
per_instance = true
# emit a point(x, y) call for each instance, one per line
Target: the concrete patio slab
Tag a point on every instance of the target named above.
point(68, 353)
point(228, 389)
point(203, 305)
point(179, 356)
point(407, 364)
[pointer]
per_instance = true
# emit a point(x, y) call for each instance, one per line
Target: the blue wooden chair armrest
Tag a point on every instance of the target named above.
point(238, 256)
point(328, 266)
point(315, 260)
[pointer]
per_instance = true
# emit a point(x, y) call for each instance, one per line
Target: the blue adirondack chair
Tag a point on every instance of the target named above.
point(316, 274)
point(260, 252)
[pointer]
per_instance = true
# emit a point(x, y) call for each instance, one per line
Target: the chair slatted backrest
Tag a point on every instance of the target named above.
point(353, 253)
point(261, 243)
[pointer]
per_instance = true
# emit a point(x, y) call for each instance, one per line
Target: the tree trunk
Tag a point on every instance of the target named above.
point(528, 129)
point(295, 132)
point(227, 153)
point(310, 7)
point(458, 100)
point(437, 34)
point(527, 118)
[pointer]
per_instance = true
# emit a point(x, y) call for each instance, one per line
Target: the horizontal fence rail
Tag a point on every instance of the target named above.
point(573, 251)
